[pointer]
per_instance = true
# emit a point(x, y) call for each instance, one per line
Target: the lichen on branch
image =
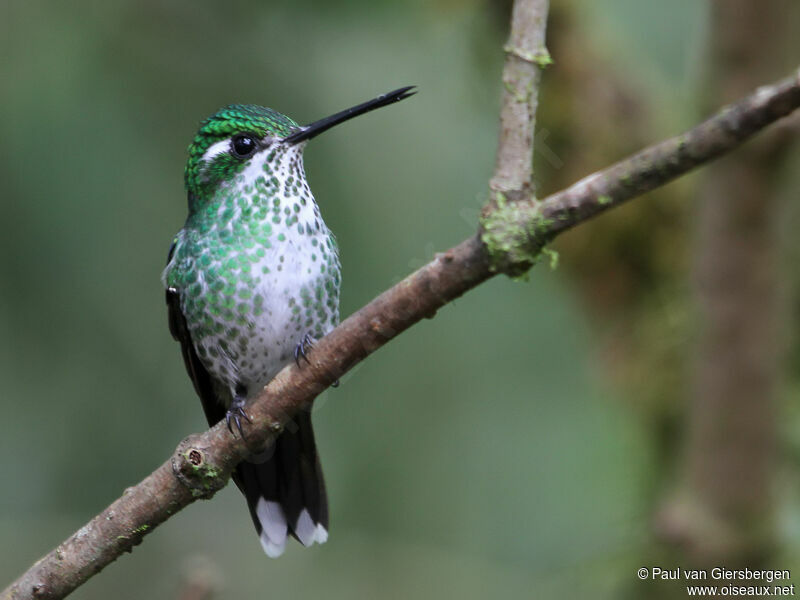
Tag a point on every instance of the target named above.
point(514, 233)
point(514, 229)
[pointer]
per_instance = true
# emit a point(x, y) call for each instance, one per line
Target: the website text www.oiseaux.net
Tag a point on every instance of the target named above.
point(725, 582)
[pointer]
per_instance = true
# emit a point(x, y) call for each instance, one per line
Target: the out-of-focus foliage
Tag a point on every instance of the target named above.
point(481, 453)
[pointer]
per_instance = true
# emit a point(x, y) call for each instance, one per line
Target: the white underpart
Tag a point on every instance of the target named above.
point(273, 334)
point(216, 149)
point(273, 527)
point(275, 326)
point(309, 532)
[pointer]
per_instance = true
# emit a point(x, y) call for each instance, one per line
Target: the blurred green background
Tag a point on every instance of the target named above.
point(495, 450)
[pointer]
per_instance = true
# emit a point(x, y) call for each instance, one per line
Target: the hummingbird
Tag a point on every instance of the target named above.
point(252, 281)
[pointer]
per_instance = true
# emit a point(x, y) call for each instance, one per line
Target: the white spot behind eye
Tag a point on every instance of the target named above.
point(216, 149)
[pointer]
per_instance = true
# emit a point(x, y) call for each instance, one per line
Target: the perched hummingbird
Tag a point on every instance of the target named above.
point(252, 280)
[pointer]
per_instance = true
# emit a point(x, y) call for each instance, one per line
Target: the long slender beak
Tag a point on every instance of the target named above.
point(317, 127)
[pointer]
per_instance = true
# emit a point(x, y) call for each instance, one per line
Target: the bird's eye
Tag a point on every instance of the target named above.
point(243, 145)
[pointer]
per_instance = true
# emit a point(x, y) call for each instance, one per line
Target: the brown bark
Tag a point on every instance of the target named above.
point(526, 56)
point(202, 463)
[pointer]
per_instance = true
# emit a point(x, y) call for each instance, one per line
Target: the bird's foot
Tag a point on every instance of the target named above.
point(235, 414)
point(300, 350)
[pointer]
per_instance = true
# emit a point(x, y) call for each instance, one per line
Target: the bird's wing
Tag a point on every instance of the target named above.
point(203, 383)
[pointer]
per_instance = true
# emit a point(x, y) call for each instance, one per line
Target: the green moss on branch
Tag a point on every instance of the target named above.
point(514, 234)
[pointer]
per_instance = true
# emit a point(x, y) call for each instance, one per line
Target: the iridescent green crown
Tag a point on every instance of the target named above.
point(258, 121)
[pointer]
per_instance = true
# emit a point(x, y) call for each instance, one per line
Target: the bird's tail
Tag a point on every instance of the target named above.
point(285, 491)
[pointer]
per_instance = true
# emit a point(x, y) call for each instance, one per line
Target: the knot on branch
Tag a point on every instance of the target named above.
point(541, 57)
point(514, 232)
point(192, 467)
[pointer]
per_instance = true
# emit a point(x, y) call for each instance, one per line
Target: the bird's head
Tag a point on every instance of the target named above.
point(242, 135)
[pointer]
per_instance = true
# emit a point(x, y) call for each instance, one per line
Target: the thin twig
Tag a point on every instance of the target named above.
point(526, 56)
point(515, 233)
point(202, 463)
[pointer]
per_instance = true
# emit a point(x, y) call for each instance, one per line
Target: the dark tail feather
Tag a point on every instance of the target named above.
point(286, 492)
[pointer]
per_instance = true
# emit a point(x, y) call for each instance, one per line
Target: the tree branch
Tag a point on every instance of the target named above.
point(526, 56)
point(513, 234)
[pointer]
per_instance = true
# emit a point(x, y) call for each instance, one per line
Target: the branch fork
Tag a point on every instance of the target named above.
point(514, 229)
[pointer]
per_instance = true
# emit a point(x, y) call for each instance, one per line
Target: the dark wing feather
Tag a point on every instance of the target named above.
point(203, 383)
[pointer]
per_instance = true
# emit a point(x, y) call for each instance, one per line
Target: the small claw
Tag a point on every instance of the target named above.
point(237, 413)
point(300, 350)
point(239, 426)
point(297, 354)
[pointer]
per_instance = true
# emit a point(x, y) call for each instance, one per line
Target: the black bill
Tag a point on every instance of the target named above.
point(317, 127)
